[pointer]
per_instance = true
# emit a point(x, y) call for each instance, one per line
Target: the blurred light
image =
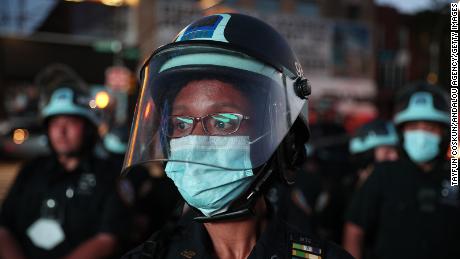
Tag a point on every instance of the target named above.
point(147, 110)
point(432, 78)
point(112, 2)
point(219, 9)
point(50, 203)
point(107, 46)
point(102, 99)
point(20, 135)
point(92, 104)
point(206, 4)
point(132, 2)
point(115, 46)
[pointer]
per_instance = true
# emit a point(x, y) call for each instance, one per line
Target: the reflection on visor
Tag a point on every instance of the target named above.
point(216, 124)
point(226, 115)
point(186, 120)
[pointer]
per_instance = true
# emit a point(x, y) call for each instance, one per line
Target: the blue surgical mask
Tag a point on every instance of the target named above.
point(421, 146)
point(209, 188)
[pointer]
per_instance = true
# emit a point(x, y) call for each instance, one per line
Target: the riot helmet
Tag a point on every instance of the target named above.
point(373, 134)
point(422, 102)
point(69, 101)
point(375, 141)
point(420, 107)
point(249, 86)
point(73, 102)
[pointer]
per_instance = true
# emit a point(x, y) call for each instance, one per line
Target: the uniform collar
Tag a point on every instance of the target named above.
point(195, 242)
point(273, 242)
point(192, 243)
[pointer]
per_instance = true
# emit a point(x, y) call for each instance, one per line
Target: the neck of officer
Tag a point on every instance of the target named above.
point(69, 163)
point(235, 239)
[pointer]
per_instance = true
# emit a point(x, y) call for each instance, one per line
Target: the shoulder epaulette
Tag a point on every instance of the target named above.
point(305, 247)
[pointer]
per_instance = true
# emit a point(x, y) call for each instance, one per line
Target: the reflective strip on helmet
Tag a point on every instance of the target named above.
point(358, 145)
point(54, 110)
point(218, 59)
point(210, 29)
point(421, 108)
point(62, 103)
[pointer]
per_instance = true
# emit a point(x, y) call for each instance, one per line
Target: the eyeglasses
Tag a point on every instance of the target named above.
point(216, 124)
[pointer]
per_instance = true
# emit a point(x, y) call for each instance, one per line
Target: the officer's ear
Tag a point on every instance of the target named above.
point(291, 154)
point(300, 134)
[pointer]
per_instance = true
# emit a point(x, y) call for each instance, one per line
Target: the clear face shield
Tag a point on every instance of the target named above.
point(202, 99)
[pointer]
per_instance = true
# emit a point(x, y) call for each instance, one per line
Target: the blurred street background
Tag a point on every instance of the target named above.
point(356, 53)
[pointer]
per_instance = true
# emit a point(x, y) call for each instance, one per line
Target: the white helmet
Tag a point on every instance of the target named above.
point(67, 101)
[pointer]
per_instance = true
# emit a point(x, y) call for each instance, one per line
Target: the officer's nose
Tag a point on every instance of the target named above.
point(198, 129)
point(63, 130)
point(58, 129)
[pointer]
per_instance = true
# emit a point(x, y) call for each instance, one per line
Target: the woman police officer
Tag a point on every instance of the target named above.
point(221, 108)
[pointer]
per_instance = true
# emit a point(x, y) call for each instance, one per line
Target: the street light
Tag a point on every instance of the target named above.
point(113, 2)
point(20, 135)
point(102, 99)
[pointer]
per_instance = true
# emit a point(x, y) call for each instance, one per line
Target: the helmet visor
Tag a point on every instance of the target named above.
point(202, 95)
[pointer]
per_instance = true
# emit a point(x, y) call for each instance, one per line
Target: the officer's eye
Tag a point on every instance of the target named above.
point(223, 123)
point(182, 123)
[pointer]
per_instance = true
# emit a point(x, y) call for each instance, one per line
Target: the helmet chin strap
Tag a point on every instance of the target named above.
point(246, 201)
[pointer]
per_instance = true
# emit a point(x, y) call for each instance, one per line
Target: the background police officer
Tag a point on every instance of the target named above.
point(221, 106)
point(151, 197)
point(63, 205)
point(409, 204)
point(374, 142)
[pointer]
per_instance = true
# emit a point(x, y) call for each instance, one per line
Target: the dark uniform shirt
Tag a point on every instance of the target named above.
point(153, 200)
point(278, 241)
point(414, 214)
point(83, 202)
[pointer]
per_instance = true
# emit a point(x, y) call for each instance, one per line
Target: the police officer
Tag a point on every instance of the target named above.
point(150, 195)
point(220, 107)
point(63, 205)
point(409, 204)
point(374, 142)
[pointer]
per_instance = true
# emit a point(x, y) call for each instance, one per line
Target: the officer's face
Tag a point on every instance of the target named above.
point(66, 133)
point(428, 126)
point(204, 97)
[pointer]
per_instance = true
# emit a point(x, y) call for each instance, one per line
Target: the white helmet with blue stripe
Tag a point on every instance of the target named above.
point(373, 134)
point(422, 102)
point(67, 101)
